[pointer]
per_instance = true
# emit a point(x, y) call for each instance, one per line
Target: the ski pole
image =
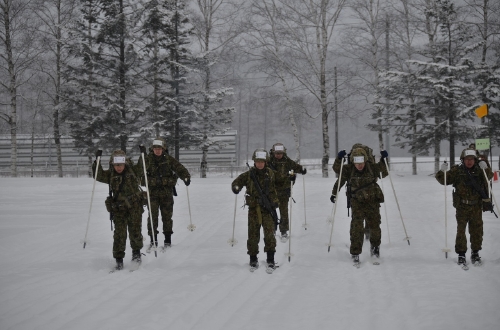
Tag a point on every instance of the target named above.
point(190, 227)
point(153, 230)
point(397, 203)
point(385, 210)
point(446, 249)
point(99, 153)
point(304, 189)
point(232, 241)
point(334, 210)
point(289, 254)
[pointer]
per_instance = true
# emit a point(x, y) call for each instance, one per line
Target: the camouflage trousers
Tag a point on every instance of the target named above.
point(369, 212)
point(471, 215)
point(163, 203)
point(284, 220)
point(254, 231)
point(131, 221)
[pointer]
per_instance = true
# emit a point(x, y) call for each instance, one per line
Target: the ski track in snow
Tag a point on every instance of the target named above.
point(48, 281)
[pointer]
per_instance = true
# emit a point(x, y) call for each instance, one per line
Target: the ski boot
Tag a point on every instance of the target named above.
point(375, 251)
point(355, 260)
point(152, 245)
point(461, 259)
point(119, 264)
point(475, 258)
point(284, 237)
point(271, 265)
point(136, 256)
point(254, 263)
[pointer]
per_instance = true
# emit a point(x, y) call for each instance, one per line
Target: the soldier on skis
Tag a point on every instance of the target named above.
point(262, 201)
point(125, 203)
point(285, 171)
point(162, 172)
point(365, 196)
point(470, 199)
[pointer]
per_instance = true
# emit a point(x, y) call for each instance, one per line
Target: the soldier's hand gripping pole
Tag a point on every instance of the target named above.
point(446, 249)
point(397, 203)
point(98, 154)
point(334, 210)
point(153, 230)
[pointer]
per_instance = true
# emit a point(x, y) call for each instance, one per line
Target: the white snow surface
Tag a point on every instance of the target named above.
point(49, 281)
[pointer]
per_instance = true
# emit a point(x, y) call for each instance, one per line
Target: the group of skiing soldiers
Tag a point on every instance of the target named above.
point(268, 185)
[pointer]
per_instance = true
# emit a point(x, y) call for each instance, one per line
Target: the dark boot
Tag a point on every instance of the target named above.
point(254, 262)
point(168, 240)
point(119, 263)
point(461, 258)
point(375, 251)
point(152, 245)
point(136, 256)
point(474, 257)
point(270, 258)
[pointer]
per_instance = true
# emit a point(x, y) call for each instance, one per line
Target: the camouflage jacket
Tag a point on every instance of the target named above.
point(266, 180)
point(362, 186)
point(461, 181)
point(282, 168)
point(162, 171)
point(124, 187)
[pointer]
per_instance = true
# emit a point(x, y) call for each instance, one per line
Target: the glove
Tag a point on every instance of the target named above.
point(292, 177)
point(187, 181)
point(235, 189)
point(444, 167)
point(98, 153)
point(482, 165)
point(142, 148)
point(304, 171)
point(332, 198)
point(384, 154)
point(341, 154)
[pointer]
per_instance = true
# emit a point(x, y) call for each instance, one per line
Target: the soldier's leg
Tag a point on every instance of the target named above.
point(155, 204)
point(167, 210)
point(356, 231)
point(253, 232)
point(461, 239)
point(119, 236)
point(269, 237)
point(476, 229)
point(134, 221)
point(373, 224)
point(283, 206)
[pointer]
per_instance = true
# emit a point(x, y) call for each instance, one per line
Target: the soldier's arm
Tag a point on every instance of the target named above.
point(382, 168)
point(179, 169)
point(240, 181)
point(102, 175)
point(336, 165)
point(343, 180)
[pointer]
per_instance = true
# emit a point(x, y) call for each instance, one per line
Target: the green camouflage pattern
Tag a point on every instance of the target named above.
point(127, 206)
point(282, 168)
point(467, 214)
point(266, 180)
point(365, 202)
point(162, 172)
point(362, 212)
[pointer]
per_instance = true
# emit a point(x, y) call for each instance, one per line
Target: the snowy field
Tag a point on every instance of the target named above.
point(49, 282)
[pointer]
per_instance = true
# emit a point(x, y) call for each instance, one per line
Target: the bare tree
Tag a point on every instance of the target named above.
point(215, 26)
point(18, 53)
point(308, 28)
point(55, 16)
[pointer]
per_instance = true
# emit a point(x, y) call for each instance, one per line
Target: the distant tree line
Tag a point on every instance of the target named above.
point(116, 73)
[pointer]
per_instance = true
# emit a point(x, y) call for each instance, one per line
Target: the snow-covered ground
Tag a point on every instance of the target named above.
point(48, 281)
